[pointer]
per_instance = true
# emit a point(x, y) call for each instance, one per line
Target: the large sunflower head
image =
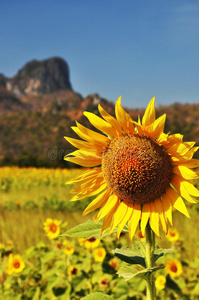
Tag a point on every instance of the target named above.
point(138, 173)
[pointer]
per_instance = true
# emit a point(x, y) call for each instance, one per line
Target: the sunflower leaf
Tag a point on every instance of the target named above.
point(160, 252)
point(131, 257)
point(170, 284)
point(87, 230)
point(97, 296)
point(128, 272)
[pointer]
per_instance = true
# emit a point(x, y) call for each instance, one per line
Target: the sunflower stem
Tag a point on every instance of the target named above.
point(150, 248)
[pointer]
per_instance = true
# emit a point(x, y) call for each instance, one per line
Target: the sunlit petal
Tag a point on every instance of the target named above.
point(149, 115)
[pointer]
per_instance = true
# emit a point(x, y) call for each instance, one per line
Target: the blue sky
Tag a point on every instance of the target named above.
point(134, 48)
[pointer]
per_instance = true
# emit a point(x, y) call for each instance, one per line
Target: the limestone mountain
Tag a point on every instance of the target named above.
point(9, 102)
point(40, 77)
point(37, 86)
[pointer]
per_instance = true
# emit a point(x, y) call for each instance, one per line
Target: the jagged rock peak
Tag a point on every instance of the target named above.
point(41, 77)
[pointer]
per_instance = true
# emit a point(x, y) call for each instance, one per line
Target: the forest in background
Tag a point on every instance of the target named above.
point(36, 137)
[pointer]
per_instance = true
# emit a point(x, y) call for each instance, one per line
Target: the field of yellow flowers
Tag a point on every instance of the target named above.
point(38, 261)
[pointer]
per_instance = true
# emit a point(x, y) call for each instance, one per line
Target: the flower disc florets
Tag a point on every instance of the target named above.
point(136, 168)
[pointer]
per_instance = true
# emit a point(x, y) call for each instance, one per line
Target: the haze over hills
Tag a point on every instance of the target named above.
point(38, 106)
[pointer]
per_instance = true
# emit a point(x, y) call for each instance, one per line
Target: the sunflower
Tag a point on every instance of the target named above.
point(52, 228)
point(69, 250)
point(91, 243)
point(172, 235)
point(173, 268)
point(139, 172)
point(114, 263)
point(99, 254)
point(73, 271)
point(104, 282)
point(160, 282)
point(81, 241)
point(15, 264)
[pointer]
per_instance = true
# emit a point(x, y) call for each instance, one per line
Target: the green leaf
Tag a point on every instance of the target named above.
point(196, 290)
point(37, 294)
point(131, 257)
point(128, 272)
point(170, 284)
point(97, 296)
point(120, 290)
point(87, 230)
point(160, 252)
point(59, 290)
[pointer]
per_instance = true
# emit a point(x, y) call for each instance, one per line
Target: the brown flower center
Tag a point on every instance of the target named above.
point(74, 271)
point(53, 227)
point(136, 168)
point(174, 268)
point(16, 264)
point(172, 234)
point(92, 239)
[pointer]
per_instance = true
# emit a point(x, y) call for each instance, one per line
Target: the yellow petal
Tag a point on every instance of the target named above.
point(170, 140)
point(139, 128)
point(100, 124)
point(191, 189)
point(88, 174)
point(97, 202)
point(180, 206)
point(177, 202)
point(167, 205)
point(149, 115)
point(154, 219)
point(84, 158)
point(193, 163)
point(133, 222)
point(118, 215)
point(139, 120)
point(83, 162)
point(112, 201)
point(125, 219)
point(177, 182)
point(158, 127)
point(111, 120)
point(84, 154)
point(90, 135)
point(108, 218)
point(159, 206)
point(185, 157)
point(180, 149)
point(89, 184)
point(94, 135)
point(91, 147)
point(146, 210)
point(162, 139)
point(185, 172)
point(123, 118)
point(90, 192)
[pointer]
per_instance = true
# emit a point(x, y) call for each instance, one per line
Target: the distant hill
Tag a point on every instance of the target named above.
point(40, 77)
point(38, 106)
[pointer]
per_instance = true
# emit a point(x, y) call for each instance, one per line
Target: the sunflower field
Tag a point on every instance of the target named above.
point(38, 261)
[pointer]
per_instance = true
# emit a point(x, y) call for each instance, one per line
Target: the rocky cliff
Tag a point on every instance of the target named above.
point(39, 77)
